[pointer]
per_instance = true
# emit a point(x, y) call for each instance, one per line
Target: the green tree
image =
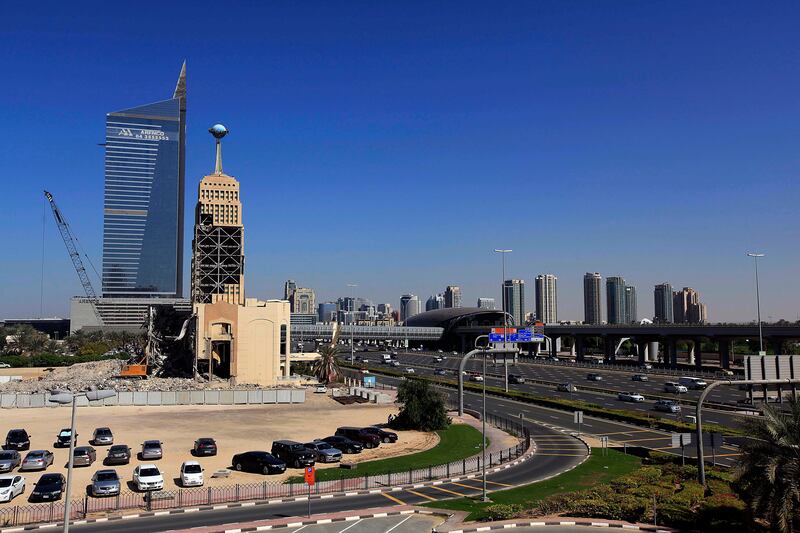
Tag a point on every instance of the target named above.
point(768, 476)
point(326, 368)
point(423, 407)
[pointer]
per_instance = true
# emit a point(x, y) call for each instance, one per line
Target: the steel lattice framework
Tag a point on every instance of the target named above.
point(218, 261)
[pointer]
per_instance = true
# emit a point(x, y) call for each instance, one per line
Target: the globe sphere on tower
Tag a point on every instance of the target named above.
point(218, 131)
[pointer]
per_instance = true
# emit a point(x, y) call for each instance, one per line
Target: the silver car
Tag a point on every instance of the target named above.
point(102, 437)
point(83, 456)
point(151, 449)
point(105, 483)
point(9, 460)
point(325, 452)
point(37, 460)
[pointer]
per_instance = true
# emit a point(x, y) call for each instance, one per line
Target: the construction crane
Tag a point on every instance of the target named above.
point(69, 242)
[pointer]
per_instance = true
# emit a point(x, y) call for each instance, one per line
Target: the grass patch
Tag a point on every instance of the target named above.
point(598, 469)
point(458, 441)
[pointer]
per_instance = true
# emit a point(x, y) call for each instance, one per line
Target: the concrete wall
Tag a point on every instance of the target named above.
point(157, 398)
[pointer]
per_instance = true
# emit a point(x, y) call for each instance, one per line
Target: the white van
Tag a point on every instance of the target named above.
point(387, 358)
point(693, 383)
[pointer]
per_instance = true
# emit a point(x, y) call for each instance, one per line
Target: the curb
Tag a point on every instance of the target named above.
point(545, 523)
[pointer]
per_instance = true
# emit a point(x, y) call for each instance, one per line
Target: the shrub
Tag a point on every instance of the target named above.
point(423, 407)
point(501, 511)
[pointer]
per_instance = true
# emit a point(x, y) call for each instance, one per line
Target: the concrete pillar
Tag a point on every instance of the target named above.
point(553, 346)
point(580, 350)
point(776, 343)
point(641, 349)
point(537, 348)
point(690, 352)
point(652, 352)
point(672, 353)
point(609, 343)
point(698, 353)
point(725, 353)
point(572, 350)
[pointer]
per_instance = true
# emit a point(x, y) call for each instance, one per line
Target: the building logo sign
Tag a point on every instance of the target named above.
point(145, 135)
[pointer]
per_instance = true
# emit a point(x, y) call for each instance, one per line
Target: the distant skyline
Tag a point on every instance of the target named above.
point(653, 141)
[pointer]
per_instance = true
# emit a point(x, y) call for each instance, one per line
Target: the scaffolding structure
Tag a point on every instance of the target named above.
point(217, 263)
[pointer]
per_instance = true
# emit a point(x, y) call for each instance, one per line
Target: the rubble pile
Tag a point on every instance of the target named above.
point(103, 375)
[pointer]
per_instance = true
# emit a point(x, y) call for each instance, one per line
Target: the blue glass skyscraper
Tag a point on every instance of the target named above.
point(143, 203)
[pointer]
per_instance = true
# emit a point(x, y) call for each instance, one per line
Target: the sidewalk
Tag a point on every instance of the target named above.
point(498, 439)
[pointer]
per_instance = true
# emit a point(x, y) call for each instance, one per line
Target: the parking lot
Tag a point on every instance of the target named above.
point(235, 428)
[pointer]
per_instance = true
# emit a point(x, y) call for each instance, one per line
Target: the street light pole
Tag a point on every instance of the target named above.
point(353, 301)
point(483, 430)
point(503, 253)
point(755, 257)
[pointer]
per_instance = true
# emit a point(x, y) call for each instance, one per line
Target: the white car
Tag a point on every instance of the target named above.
point(671, 386)
point(395, 363)
point(630, 397)
point(409, 370)
point(191, 474)
point(5, 365)
point(439, 359)
point(148, 477)
point(10, 487)
point(321, 389)
point(364, 371)
point(477, 378)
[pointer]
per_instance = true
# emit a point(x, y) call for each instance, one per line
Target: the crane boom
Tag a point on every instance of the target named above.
point(69, 242)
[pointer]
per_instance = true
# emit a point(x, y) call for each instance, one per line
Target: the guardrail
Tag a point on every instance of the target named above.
point(21, 515)
point(632, 367)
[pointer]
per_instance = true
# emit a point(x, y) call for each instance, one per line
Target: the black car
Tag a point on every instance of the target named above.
point(516, 378)
point(293, 453)
point(18, 439)
point(63, 438)
point(385, 436)
point(440, 372)
point(50, 487)
point(205, 446)
point(261, 462)
point(369, 440)
point(344, 444)
point(118, 454)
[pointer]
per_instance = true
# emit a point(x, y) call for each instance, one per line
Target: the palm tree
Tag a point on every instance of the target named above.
point(768, 475)
point(326, 368)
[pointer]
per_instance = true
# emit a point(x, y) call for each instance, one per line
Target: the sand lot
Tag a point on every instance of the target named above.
point(235, 428)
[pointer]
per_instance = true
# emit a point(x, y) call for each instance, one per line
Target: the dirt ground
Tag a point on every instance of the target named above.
point(26, 373)
point(235, 428)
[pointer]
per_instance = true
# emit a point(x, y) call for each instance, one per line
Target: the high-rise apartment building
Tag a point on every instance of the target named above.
point(615, 300)
point(547, 298)
point(218, 245)
point(303, 301)
point(289, 288)
point(452, 296)
point(143, 201)
point(662, 296)
point(687, 307)
point(385, 309)
point(514, 296)
point(486, 303)
point(409, 306)
point(326, 312)
point(631, 313)
point(592, 310)
point(434, 302)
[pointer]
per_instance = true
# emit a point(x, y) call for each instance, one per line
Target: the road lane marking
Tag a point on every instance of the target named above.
point(561, 454)
point(398, 524)
point(447, 490)
point(431, 498)
point(642, 440)
point(626, 432)
point(470, 487)
point(351, 525)
point(396, 500)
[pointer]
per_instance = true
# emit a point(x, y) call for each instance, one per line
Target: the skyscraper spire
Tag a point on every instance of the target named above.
point(180, 87)
point(218, 131)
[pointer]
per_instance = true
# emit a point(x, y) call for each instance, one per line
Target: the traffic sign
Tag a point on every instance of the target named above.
point(310, 475)
point(577, 417)
point(679, 440)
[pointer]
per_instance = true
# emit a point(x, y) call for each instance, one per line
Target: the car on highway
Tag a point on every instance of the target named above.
point(566, 387)
point(151, 450)
point(646, 366)
point(554, 359)
point(364, 371)
point(640, 377)
point(64, 437)
point(630, 397)
point(724, 373)
point(692, 383)
point(674, 387)
point(395, 363)
point(293, 453)
point(594, 377)
point(440, 372)
point(344, 444)
point(439, 359)
point(18, 439)
point(102, 437)
point(11, 487)
point(118, 454)
point(191, 474)
point(37, 460)
point(83, 456)
point(409, 370)
point(667, 406)
point(516, 378)
point(476, 377)
point(385, 436)
point(5, 365)
point(455, 353)
point(258, 461)
point(324, 451)
point(105, 483)
point(148, 477)
point(367, 439)
point(204, 446)
point(9, 460)
point(50, 487)
point(439, 351)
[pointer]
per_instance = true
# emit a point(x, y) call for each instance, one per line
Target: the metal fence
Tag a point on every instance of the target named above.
point(632, 366)
point(20, 515)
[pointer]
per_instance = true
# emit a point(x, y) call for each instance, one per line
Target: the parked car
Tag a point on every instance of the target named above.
point(566, 387)
point(344, 444)
point(630, 397)
point(191, 474)
point(262, 462)
point(594, 377)
point(18, 439)
point(324, 451)
point(83, 456)
point(50, 487)
point(105, 483)
point(118, 454)
point(293, 453)
point(37, 460)
point(639, 377)
point(5, 365)
point(385, 436)
point(11, 487)
point(667, 406)
point(64, 437)
point(671, 386)
point(204, 446)
point(516, 378)
point(151, 449)
point(693, 383)
point(9, 460)
point(320, 389)
point(369, 440)
point(148, 477)
point(102, 437)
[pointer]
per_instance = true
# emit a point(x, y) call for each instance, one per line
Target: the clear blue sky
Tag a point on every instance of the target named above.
point(394, 145)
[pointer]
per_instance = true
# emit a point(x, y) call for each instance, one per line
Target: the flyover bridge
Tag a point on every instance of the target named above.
point(324, 332)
